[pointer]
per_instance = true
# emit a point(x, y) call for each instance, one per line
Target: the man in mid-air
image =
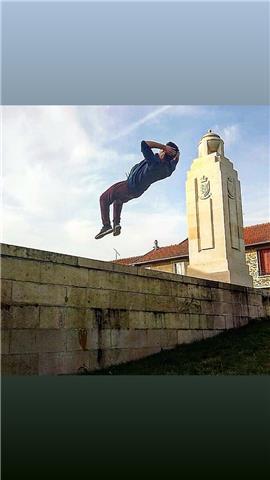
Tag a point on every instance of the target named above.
point(154, 167)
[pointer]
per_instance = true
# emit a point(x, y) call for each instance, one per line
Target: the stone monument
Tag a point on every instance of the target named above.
point(215, 219)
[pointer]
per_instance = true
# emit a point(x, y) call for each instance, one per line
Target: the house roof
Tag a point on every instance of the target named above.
point(253, 235)
point(256, 234)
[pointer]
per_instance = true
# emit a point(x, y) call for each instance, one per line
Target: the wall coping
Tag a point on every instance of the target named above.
point(26, 253)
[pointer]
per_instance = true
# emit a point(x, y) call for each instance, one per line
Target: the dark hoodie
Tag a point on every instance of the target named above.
point(150, 170)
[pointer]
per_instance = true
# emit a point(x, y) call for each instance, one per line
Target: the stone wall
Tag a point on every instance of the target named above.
point(260, 281)
point(64, 314)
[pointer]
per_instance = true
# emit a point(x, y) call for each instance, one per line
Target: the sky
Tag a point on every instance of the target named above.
point(57, 160)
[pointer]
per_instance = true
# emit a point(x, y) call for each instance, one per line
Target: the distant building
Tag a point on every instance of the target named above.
point(175, 258)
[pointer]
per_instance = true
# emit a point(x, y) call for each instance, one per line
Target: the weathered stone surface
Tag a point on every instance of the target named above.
point(144, 320)
point(6, 288)
point(160, 303)
point(161, 338)
point(26, 364)
point(67, 363)
point(207, 307)
point(73, 322)
point(5, 341)
point(221, 295)
point(53, 317)
point(128, 338)
point(188, 305)
point(22, 316)
point(177, 320)
point(82, 339)
point(229, 321)
point(39, 255)
point(94, 264)
point(189, 336)
point(13, 268)
point(76, 296)
point(79, 317)
point(116, 356)
point(23, 341)
point(130, 301)
point(219, 322)
point(35, 293)
point(63, 275)
point(98, 298)
point(50, 340)
point(210, 333)
point(194, 321)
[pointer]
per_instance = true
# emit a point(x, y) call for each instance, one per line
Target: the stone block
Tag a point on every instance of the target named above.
point(229, 321)
point(253, 311)
point(22, 316)
point(35, 293)
point(176, 320)
point(221, 295)
point(160, 303)
point(199, 292)
point(79, 317)
point(23, 341)
point(20, 364)
point(189, 336)
point(82, 339)
point(207, 307)
point(102, 279)
point(210, 333)
point(129, 301)
point(222, 308)
point(95, 264)
point(52, 317)
point(97, 298)
point(145, 320)
point(76, 296)
point(67, 363)
point(5, 341)
point(13, 268)
point(194, 321)
point(254, 299)
point(219, 322)
point(203, 321)
point(130, 269)
point(50, 340)
point(6, 289)
point(35, 254)
point(179, 289)
point(108, 318)
point(63, 274)
point(117, 356)
point(188, 305)
point(129, 338)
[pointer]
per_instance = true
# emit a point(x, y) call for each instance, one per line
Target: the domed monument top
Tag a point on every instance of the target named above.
point(211, 143)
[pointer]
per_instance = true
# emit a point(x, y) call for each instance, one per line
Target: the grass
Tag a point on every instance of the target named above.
point(245, 351)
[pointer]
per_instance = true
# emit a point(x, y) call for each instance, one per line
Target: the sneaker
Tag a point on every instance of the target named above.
point(106, 229)
point(116, 230)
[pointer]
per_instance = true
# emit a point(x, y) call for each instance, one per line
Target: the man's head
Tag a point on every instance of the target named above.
point(163, 155)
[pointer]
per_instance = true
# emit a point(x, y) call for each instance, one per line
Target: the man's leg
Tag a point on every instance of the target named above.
point(115, 193)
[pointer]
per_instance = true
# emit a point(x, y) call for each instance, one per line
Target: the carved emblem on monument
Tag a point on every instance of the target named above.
point(230, 187)
point(205, 188)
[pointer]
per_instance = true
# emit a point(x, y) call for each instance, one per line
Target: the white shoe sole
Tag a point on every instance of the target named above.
point(101, 235)
point(117, 230)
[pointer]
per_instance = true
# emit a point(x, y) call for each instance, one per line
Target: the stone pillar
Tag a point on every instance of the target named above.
point(215, 219)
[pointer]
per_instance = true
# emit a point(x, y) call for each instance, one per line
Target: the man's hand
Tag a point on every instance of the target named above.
point(176, 158)
point(169, 151)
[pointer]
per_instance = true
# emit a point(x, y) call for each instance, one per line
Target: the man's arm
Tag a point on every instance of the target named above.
point(152, 144)
point(167, 149)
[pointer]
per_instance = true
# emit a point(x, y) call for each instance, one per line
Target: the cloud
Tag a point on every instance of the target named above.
point(230, 133)
point(154, 115)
